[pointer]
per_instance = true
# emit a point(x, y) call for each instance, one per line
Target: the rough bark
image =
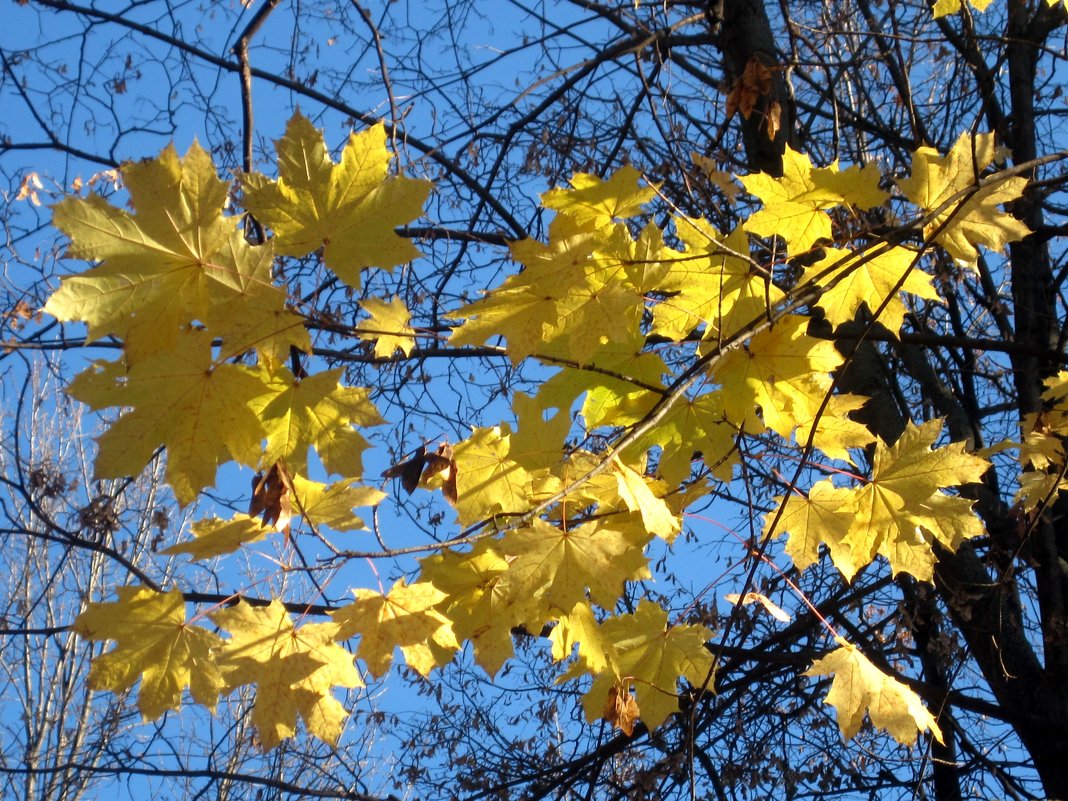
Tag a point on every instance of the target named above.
point(744, 32)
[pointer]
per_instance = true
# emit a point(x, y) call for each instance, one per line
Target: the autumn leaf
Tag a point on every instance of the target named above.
point(783, 371)
point(169, 264)
point(488, 482)
point(754, 83)
point(943, 7)
point(349, 209)
point(593, 201)
point(1041, 443)
point(215, 537)
point(537, 444)
point(404, 618)
point(557, 566)
point(331, 505)
point(639, 497)
point(855, 279)
point(315, 411)
point(247, 310)
point(599, 313)
point(153, 642)
point(409, 471)
point(580, 628)
point(858, 686)
point(901, 511)
point(691, 429)
point(478, 600)
point(182, 399)
point(618, 384)
point(294, 670)
point(575, 295)
point(272, 499)
point(524, 307)
point(904, 499)
point(974, 219)
point(821, 517)
point(899, 514)
point(795, 204)
point(651, 659)
point(1039, 489)
point(621, 710)
point(834, 432)
point(388, 326)
point(711, 284)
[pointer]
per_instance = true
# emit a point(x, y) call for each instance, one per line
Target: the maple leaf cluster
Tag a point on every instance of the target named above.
point(673, 344)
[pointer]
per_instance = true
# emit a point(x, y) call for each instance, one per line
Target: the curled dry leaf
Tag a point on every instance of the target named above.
point(409, 470)
point(621, 710)
point(443, 465)
point(754, 83)
point(271, 498)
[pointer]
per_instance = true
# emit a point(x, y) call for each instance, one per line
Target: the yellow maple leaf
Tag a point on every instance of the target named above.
point(488, 482)
point(153, 642)
point(902, 509)
point(710, 284)
point(794, 204)
point(943, 7)
point(519, 314)
point(853, 280)
point(859, 686)
point(314, 411)
point(169, 264)
point(535, 443)
point(524, 307)
point(1038, 488)
point(215, 537)
point(599, 313)
point(580, 628)
point(639, 497)
point(247, 310)
point(835, 432)
point(331, 505)
point(974, 219)
point(783, 371)
point(348, 209)
point(388, 326)
point(822, 517)
point(405, 618)
point(616, 386)
point(294, 670)
point(595, 202)
point(1043, 433)
point(478, 600)
point(579, 293)
point(651, 658)
point(556, 566)
point(645, 260)
point(181, 399)
point(693, 426)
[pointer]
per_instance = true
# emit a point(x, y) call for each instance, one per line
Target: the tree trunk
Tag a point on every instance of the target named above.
point(744, 33)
